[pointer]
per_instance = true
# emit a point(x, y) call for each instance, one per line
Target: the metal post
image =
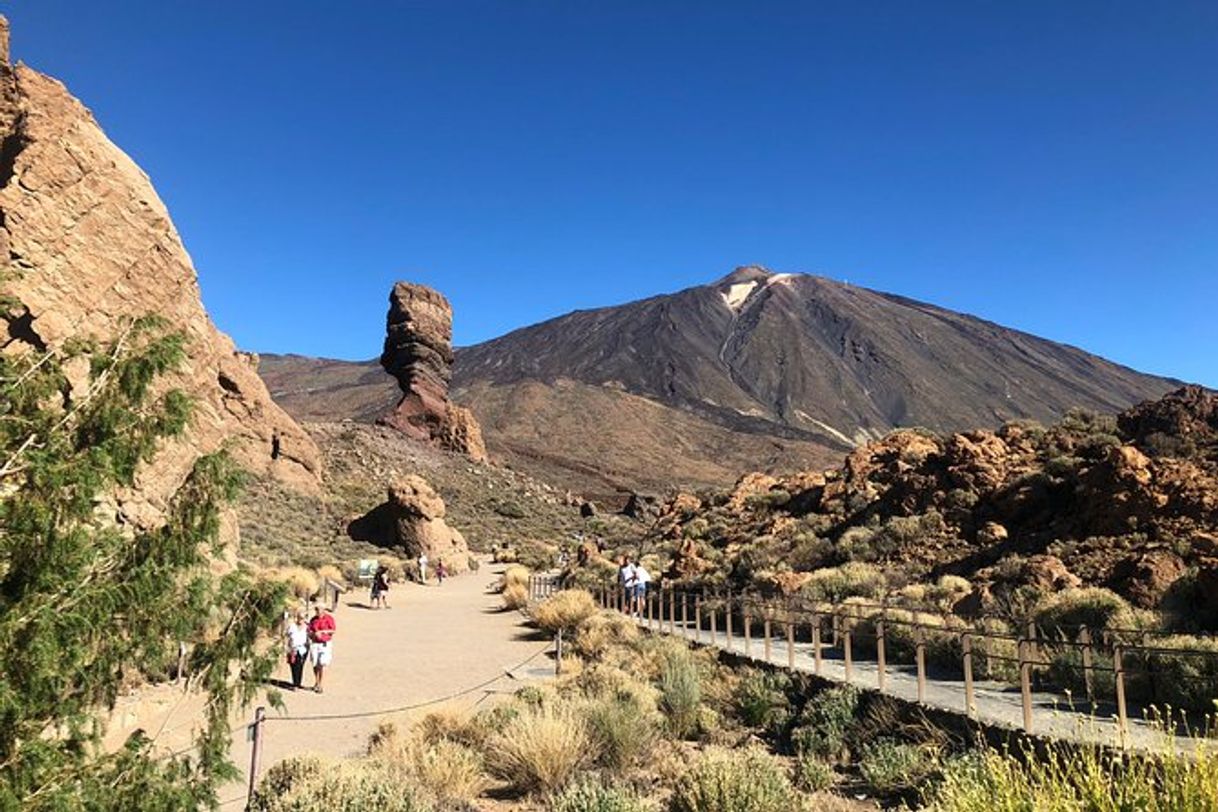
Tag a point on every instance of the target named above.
point(966, 645)
point(1025, 684)
point(256, 748)
point(1118, 667)
point(816, 655)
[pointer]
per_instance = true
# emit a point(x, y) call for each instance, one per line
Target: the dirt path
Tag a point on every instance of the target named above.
point(435, 641)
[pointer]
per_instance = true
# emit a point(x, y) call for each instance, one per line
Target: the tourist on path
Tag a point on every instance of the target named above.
point(422, 568)
point(441, 571)
point(321, 636)
point(296, 638)
point(623, 576)
point(640, 578)
point(380, 588)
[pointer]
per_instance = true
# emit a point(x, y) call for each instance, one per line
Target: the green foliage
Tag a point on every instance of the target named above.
point(593, 796)
point(624, 730)
point(813, 774)
point(734, 781)
point(312, 784)
point(889, 766)
point(761, 700)
point(1093, 607)
point(680, 695)
point(85, 602)
point(826, 721)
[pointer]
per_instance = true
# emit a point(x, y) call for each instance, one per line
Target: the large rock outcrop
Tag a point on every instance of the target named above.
point(417, 514)
point(419, 353)
point(87, 246)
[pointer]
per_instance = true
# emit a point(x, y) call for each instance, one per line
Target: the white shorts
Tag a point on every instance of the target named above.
point(320, 654)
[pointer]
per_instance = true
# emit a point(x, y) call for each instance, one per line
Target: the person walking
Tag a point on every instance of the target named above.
point(422, 568)
point(624, 575)
point(321, 638)
point(441, 571)
point(380, 588)
point(640, 579)
point(296, 640)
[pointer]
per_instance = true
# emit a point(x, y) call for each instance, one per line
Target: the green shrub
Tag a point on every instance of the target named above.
point(761, 700)
point(835, 584)
point(311, 784)
point(826, 721)
point(734, 781)
point(680, 695)
point(813, 774)
point(593, 796)
point(565, 610)
point(541, 749)
point(1093, 607)
point(890, 766)
point(624, 731)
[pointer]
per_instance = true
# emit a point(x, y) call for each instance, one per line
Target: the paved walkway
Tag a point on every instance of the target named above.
point(995, 703)
point(435, 641)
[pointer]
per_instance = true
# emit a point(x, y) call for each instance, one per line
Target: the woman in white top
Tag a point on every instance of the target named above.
point(296, 638)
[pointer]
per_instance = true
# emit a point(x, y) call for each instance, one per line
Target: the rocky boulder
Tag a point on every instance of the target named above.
point(416, 515)
point(88, 247)
point(418, 353)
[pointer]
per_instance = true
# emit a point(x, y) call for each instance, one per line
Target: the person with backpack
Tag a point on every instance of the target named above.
point(380, 588)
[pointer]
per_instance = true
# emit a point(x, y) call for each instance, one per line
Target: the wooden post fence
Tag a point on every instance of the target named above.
point(698, 616)
point(1025, 684)
point(920, 659)
point(816, 653)
point(790, 643)
point(846, 631)
point(1118, 667)
point(966, 645)
point(879, 648)
point(767, 648)
point(727, 621)
point(1084, 641)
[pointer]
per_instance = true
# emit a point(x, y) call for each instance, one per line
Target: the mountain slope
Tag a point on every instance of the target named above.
point(755, 371)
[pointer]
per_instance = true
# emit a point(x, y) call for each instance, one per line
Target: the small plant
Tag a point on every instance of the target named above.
point(761, 700)
point(680, 695)
point(515, 596)
point(515, 575)
point(624, 731)
point(310, 784)
point(734, 781)
point(825, 723)
point(593, 796)
point(889, 766)
point(541, 749)
point(565, 610)
point(813, 774)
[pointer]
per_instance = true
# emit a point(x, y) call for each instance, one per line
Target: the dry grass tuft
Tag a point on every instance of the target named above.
point(541, 749)
point(565, 610)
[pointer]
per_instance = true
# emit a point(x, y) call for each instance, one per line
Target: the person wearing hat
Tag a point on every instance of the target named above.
point(321, 636)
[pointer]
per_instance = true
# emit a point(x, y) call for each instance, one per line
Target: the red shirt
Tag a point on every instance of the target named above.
point(322, 628)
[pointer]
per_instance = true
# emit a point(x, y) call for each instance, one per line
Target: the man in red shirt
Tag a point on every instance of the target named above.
point(321, 633)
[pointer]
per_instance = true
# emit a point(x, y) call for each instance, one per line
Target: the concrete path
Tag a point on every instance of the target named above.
point(995, 703)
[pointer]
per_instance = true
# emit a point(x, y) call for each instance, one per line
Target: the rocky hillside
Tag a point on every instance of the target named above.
point(88, 247)
point(1127, 502)
point(755, 371)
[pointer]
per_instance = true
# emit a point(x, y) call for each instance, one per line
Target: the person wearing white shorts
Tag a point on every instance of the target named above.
point(321, 642)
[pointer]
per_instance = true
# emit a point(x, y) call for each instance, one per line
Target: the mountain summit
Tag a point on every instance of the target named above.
point(757, 370)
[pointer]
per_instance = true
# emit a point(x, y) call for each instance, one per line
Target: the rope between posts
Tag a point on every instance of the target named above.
point(325, 717)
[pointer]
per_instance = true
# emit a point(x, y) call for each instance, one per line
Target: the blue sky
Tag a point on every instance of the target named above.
point(1050, 166)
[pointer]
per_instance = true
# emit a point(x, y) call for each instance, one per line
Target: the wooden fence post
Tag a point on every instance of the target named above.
point(727, 621)
point(920, 659)
point(816, 654)
point(846, 632)
point(714, 632)
point(256, 748)
point(790, 642)
point(684, 614)
point(672, 609)
point(1025, 684)
point(698, 616)
point(767, 628)
point(1033, 652)
point(747, 618)
point(1084, 640)
point(1118, 667)
point(879, 648)
point(966, 645)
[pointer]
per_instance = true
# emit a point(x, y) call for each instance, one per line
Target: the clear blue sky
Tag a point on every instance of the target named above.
point(1052, 166)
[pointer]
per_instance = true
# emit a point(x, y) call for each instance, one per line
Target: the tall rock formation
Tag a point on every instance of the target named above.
point(419, 353)
point(87, 246)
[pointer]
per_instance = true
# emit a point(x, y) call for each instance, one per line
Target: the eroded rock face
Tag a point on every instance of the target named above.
point(88, 246)
point(418, 352)
point(416, 512)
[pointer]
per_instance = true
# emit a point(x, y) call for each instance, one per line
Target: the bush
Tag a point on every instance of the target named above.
point(541, 749)
point(604, 630)
point(301, 583)
point(761, 700)
point(734, 781)
point(624, 731)
point(311, 784)
point(565, 610)
point(331, 572)
point(812, 774)
point(447, 771)
point(850, 580)
point(593, 796)
point(515, 575)
point(1093, 607)
point(826, 721)
point(515, 596)
point(680, 695)
point(889, 766)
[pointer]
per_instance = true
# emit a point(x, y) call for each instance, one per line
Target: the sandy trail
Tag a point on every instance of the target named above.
point(435, 641)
